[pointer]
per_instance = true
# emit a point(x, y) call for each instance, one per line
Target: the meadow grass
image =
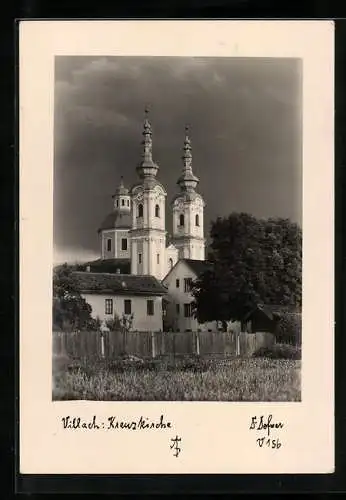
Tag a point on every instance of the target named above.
point(252, 379)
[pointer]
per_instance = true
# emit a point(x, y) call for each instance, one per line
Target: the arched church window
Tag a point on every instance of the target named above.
point(128, 203)
point(157, 211)
point(170, 262)
point(122, 202)
point(197, 220)
point(117, 203)
point(181, 219)
point(140, 210)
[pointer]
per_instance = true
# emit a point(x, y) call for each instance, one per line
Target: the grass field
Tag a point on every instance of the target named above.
point(252, 379)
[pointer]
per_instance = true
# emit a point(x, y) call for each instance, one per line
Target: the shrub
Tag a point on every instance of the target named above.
point(127, 363)
point(279, 351)
point(194, 364)
point(289, 329)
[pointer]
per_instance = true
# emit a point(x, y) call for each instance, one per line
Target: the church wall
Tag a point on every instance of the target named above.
point(123, 254)
point(195, 230)
point(140, 265)
point(192, 248)
point(134, 262)
point(171, 253)
point(106, 235)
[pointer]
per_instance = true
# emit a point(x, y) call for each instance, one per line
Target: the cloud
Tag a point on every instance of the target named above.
point(96, 117)
point(73, 255)
point(244, 116)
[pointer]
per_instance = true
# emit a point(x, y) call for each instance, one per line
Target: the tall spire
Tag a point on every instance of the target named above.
point(147, 168)
point(187, 181)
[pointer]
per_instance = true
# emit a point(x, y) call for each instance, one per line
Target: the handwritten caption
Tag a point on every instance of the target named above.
point(267, 431)
point(112, 423)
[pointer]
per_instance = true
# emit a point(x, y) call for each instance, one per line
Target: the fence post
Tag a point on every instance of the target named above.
point(237, 348)
point(153, 353)
point(124, 341)
point(163, 343)
point(102, 345)
point(197, 343)
point(63, 344)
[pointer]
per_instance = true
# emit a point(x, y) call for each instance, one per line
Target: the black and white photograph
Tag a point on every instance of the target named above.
point(176, 247)
point(177, 229)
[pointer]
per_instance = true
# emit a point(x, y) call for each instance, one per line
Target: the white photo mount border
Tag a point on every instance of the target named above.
point(307, 442)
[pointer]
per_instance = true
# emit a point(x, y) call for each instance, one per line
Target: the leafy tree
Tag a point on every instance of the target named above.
point(252, 261)
point(70, 309)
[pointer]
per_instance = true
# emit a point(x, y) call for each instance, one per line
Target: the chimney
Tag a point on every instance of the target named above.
point(118, 270)
point(88, 269)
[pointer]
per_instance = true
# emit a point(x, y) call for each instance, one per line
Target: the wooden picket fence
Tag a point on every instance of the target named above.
point(152, 344)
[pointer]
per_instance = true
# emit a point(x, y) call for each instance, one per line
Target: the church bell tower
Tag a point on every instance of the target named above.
point(188, 211)
point(148, 233)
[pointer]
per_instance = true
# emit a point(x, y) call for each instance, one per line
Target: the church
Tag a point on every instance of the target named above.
point(134, 246)
point(136, 228)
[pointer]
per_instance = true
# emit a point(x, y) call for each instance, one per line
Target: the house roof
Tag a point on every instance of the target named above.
point(272, 310)
point(110, 283)
point(116, 220)
point(197, 266)
point(107, 266)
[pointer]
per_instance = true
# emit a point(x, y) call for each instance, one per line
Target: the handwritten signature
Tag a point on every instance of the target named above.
point(175, 446)
point(268, 425)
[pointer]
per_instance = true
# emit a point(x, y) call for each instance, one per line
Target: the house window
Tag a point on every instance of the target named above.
point(170, 263)
point(139, 258)
point(197, 220)
point(177, 308)
point(177, 283)
point(140, 210)
point(187, 310)
point(122, 203)
point(187, 284)
point(181, 220)
point(124, 243)
point(109, 245)
point(158, 258)
point(109, 306)
point(150, 307)
point(127, 306)
point(157, 211)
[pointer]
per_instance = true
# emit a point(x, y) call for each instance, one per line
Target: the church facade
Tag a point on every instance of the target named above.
point(139, 261)
point(135, 230)
point(141, 273)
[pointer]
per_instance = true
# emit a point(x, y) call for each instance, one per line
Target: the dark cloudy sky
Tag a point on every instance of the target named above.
point(245, 119)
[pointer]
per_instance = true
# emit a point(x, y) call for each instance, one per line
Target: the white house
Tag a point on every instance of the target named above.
point(178, 301)
point(111, 294)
